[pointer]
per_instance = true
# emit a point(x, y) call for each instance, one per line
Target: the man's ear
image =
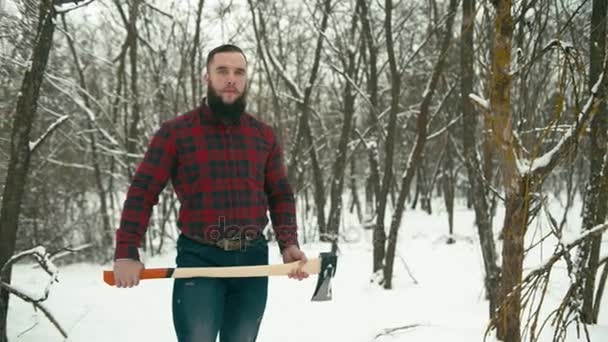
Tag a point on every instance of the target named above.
point(206, 77)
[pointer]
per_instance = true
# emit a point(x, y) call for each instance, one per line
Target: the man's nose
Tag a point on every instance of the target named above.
point(231, 80)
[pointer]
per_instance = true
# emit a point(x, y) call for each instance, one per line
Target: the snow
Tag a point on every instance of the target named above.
point(291, 83)
point(34, 144)
point(564, 45)
point(445, 302)
point(480, 101)
point(40, 250)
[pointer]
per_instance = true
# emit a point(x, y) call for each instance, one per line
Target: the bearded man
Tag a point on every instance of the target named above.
point(226, 168)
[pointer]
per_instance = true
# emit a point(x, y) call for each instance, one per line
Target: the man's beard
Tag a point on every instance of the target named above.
point(228, 112)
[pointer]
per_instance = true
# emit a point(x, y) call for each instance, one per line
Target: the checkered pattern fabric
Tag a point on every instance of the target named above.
point(226, 177)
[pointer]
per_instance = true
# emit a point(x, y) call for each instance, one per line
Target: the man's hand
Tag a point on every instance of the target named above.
point(126, 272)
point(291, 254)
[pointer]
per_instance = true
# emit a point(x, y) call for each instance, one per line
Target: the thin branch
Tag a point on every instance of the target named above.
point(34, 144)
point(389, 331)
point(37, 304)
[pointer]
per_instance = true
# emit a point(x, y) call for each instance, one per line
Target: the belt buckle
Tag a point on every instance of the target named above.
point(226, 245)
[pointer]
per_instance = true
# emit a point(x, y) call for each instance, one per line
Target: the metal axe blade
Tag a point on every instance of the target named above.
point(329, 262)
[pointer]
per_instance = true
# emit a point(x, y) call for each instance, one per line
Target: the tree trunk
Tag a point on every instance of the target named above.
point(414, 157)
point(373, 197)
point(514, 229)
point(478, 195)
point(337, 186)
point(448, 186)
point(597, 188)
point(133, 135)
point(275, 97)
point(379, 235)
point(516, 192)
point(355, 201)
point(19, 160)
point(196, 63)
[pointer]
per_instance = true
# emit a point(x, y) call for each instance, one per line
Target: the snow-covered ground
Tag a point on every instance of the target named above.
point(445, 302)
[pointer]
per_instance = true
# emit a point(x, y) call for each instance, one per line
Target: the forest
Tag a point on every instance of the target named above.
point(383, 108)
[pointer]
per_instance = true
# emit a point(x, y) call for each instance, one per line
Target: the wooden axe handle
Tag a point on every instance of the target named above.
point(312, 266)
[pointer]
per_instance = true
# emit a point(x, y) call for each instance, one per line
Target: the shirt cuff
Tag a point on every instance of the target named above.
point(287, 238)
point(126, 252)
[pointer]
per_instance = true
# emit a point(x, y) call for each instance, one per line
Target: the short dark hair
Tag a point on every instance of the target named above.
point(224, 48)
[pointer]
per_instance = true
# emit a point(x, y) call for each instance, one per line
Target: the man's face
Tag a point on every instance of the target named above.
point(227, 76)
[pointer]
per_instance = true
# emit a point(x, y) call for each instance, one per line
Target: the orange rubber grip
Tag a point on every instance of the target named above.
point(151, 273)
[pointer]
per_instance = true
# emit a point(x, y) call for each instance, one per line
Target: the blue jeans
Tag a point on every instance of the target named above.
point(234, 307)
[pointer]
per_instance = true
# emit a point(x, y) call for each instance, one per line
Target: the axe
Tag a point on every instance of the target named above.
point(324, 266)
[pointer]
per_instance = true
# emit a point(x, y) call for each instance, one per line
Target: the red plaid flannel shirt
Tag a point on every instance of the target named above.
point(226, 177)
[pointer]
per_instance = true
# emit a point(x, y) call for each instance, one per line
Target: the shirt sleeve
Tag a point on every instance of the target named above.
point(281, 200)
point(147, 183)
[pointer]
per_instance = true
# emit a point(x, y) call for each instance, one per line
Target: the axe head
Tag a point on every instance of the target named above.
point(329, 261)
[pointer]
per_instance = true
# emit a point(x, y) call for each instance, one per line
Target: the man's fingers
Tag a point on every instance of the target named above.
point(126, 281)
point(298, 274)
point(135, 279)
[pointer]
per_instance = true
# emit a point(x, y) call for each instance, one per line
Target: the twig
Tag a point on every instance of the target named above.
point(407, 269)
point(389, 331)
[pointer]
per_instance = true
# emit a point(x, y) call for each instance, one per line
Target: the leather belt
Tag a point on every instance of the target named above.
point(233, 244)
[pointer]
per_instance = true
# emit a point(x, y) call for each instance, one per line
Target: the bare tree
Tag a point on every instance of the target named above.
point(421, 135)
point(379, 235)
point(596, 199)
point(370, 49)
point(21, 148)
point(473, 164)
point(303, 102)
point(521, 179)
point(108, 231)
point(349, 71)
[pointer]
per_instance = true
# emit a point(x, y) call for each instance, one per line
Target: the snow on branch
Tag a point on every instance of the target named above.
point(358, 89)
point(78, 100)
point(64, 6)
point(542, 165)
point(567, 246)
point(483, 103)
point(114, 175)
point(49, 130)
point(444, 129)
point(290, 82)
point(67, 251)
point(565, 46)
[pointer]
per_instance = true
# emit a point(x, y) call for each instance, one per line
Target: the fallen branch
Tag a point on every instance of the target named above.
point(390, 331)
point(37, 303)
point(43, 258)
